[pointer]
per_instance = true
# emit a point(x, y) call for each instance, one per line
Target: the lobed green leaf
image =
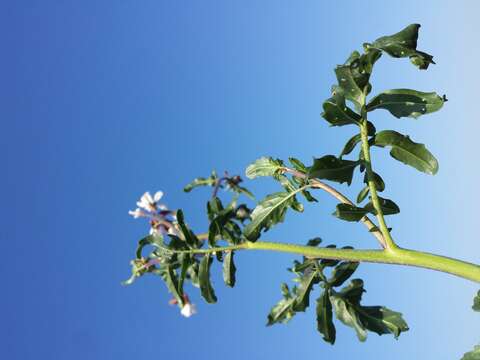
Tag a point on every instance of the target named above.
point(349, 212)
point(265, 166)
point(407, 103)
point(403, 44)
point(407, 151)
point(336, 112)
point(325, 318)
point(229, 269)
point(268, 212)
point(206, 288)
point(332, 168)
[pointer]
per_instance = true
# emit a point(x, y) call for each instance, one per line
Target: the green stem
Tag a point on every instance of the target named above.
point(390, 244)
point(396, 256)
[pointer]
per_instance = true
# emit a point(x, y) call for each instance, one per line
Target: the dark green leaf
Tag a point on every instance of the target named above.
point(186, 261)
point(336, 112)
point(348, 315)
point(353, 291)
point(407, 103)
point(342, 272)
point(371, 129)
point(307, 281)
point(188, 235)
point(171, 280)
point(268, 212)
point(404, 44)
point(154, 240)
point(361, 67)
point(349, 212)
point(265, 166)
point(206, 288)
point(363, 194)
point(214, 207)
point(388, 207)
point(229, 269)
point(476, 302)
point(407, 151)
point(382, 320)
point(350, 145)
point(314, 242)
point(332, 168)
point(348, 85)
point(282, 312)
point(308, 196)
point(378, 319)
point(377, 180)
point(472, 355)
point(324, 318)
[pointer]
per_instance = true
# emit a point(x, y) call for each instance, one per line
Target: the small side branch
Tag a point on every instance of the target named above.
point(342, 198)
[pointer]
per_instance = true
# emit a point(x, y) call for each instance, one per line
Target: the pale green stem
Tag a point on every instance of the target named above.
point(390, 244)
point(396, 256)
point(342, 198)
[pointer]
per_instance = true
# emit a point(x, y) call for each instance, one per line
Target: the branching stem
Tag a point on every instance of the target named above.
point(396, 256)
point(340, 197)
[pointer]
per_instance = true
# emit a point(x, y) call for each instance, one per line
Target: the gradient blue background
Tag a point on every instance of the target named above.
point(103, 100)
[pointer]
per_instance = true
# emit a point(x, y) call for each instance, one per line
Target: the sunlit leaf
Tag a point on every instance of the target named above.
point(348, 315)
point(348, 85)
point(269, 212)
point(472, 355)
point(403, 44)
point(407, 103)
point(336, 112)
point(407, 151)
point(282, 312)
point(265, 166)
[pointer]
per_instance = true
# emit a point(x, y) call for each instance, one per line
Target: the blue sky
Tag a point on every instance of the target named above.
point(103, 100)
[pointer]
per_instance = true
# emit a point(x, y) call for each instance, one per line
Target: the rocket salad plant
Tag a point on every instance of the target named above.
point(177, 255)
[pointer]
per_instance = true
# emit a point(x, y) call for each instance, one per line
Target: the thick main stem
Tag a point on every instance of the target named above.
point(396, 256)
point(390, 244)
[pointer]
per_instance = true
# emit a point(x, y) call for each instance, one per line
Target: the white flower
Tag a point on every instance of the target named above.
point(148, 202)
point(188, 310)
point(136, 213)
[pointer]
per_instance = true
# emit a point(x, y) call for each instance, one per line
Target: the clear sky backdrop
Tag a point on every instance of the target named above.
point(103, 100)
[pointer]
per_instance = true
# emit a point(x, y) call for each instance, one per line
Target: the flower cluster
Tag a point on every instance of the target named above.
point(162, 220)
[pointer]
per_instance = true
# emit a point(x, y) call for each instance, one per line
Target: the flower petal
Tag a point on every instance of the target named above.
point(158, 195)
point(188, 310)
